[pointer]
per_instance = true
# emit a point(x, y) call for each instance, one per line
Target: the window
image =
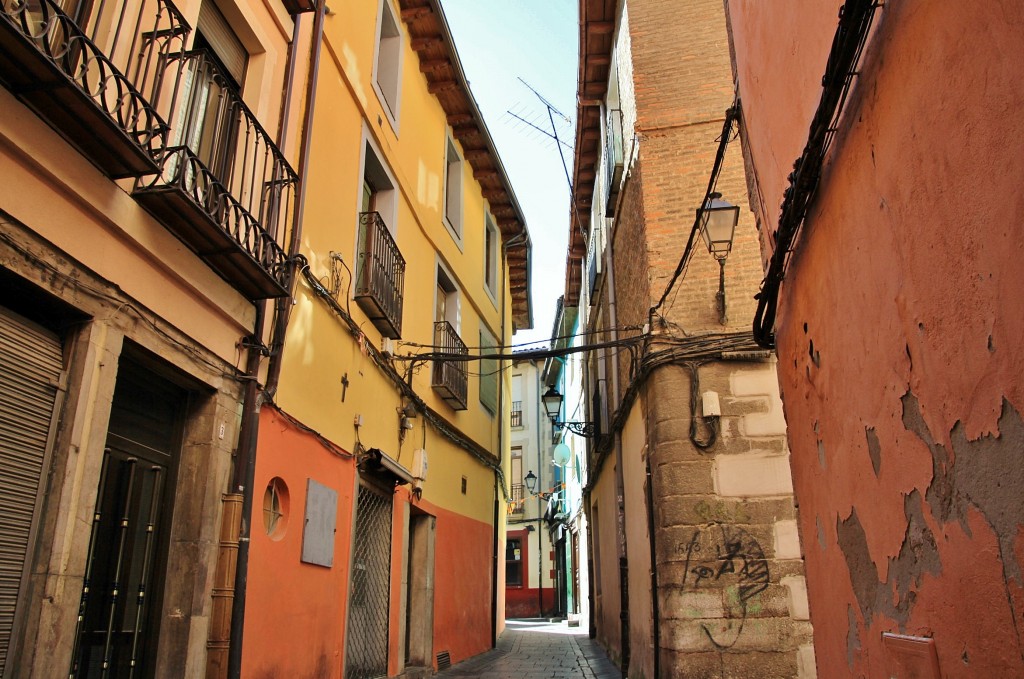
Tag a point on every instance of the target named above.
point(446, 300)
point(490, 371)
point(517, 401)
point(517, 479)
point(379, 265)
point(388, 64)
point(378, 190)
point(453, 189)
point(492, 240)
point(275, 508)
point(514, 562)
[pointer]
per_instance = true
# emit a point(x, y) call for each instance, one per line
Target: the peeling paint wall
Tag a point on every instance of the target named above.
point(899, 330)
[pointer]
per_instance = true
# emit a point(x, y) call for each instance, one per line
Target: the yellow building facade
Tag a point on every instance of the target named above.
point(205, 209)
point(146, 212)
point(412, 247)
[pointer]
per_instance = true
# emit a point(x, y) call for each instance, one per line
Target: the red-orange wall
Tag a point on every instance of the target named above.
point(900, 330)
point(525, 601)
point(295, 612)
point(464, 571)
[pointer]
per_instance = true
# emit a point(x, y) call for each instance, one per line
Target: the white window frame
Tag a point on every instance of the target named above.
point(492, 253)
point(453, 172)
point(387, 61)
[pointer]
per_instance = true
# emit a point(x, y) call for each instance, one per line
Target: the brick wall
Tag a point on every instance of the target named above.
point(732, 596)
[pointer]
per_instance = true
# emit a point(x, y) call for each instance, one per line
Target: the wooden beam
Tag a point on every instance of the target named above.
point(414, 13)
point(598, 59)
point(440, 86)
point(420, 44)
point(469, 129)
point(475, 155)
point(434, 65)
point(456, 119)
point(482, 174)
point(600, 27)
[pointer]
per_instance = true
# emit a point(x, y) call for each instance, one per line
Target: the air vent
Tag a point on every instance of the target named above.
point(444, 660)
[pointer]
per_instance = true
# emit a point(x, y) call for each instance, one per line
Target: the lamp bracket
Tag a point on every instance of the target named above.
point(584, 429)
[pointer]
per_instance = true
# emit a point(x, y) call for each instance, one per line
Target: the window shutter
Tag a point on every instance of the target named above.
point(489, 373)
point(31, 366)
point(223, 41)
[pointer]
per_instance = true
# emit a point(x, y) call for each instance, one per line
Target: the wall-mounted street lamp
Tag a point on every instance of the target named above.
point(718, 220)
point(531, 481)
point(553, 405)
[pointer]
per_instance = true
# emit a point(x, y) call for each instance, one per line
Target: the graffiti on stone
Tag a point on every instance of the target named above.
point(727, 558)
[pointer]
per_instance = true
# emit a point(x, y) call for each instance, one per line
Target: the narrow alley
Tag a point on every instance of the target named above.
point(538, 649)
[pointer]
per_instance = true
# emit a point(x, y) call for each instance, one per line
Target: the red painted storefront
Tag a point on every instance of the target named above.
point(900, 333)
point(296, 612)
point(524, 601)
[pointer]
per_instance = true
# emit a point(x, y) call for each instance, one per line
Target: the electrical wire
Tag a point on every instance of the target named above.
point(855, 18)
point(731, 118)
point(440, 425)
point(196, 352)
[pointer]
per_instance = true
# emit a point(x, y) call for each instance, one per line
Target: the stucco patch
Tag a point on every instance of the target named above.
point(852, 635)
point(918, 556)
point(985, 473)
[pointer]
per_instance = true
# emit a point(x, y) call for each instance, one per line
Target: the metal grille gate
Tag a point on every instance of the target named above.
point(369, 603)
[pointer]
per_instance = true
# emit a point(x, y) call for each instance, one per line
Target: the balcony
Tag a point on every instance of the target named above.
point(222, 186)
point(449, 377)
point(517, 413)
point(97, 78)
point(380, 275)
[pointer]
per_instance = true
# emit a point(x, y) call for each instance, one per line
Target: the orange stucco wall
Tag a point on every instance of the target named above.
point(464, 570)
point(290, 604)
point(900, 327)
point(294, 605)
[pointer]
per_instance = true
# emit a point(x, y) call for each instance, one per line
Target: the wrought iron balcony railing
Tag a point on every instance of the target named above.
point(449, 377)
point(95, 72)
point(380, 275)
point(223, 186)
point(517, 413)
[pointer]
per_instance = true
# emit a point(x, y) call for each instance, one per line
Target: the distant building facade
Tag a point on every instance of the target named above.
point(530, 565)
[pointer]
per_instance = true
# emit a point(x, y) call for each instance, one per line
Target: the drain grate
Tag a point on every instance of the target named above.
point(444, 660)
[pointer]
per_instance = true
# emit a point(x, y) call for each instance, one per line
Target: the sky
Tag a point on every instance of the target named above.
point(500, 42)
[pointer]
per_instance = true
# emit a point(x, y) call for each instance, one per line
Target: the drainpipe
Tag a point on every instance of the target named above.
point(284, 304)
point(245, 467)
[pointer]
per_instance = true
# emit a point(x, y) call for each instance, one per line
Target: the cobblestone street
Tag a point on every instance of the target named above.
point(536, 649)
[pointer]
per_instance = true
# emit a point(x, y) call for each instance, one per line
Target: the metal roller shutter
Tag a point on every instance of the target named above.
point(30, 371)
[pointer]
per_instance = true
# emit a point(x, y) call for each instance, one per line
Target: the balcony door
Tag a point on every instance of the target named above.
point(215, 71)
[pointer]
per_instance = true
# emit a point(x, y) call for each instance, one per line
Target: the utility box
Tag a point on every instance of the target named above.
point(419, 464)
